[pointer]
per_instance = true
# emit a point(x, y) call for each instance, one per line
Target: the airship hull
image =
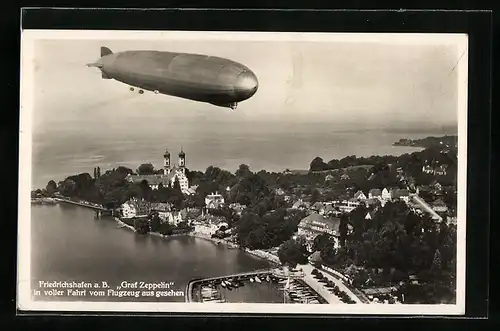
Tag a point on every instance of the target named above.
point(196, 77)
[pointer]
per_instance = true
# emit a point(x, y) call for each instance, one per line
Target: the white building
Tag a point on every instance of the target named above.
point(135, 208)
point(346, 206)
point(386, 194)
point(214, 200)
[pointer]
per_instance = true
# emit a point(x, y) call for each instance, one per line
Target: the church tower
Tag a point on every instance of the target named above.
point(182, 161)
point(166, 163)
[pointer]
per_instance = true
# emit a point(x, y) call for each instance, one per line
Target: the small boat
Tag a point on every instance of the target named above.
point(268, 279)
point(252, 280)
point(223, 284)
point(257, 279)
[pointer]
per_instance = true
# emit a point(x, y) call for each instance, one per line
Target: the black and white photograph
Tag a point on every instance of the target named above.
point(242, 172)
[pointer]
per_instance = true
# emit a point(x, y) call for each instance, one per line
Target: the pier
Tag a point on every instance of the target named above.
point(98, 209)
point(84, 204)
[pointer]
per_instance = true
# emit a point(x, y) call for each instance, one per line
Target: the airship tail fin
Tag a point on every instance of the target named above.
point(104, 76)
point(105, 51)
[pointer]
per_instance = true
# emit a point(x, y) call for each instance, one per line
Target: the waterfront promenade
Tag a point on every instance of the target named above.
point(322, 289)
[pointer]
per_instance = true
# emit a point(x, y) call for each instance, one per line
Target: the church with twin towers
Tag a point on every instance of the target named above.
point(169, 176)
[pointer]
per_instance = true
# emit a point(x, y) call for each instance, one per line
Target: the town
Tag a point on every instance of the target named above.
point(384, 225)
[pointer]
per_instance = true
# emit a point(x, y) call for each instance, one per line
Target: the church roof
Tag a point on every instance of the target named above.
point(155, 179)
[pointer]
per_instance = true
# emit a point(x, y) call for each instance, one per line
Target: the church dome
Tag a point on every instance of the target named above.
point(167, 153)
point(182, 154)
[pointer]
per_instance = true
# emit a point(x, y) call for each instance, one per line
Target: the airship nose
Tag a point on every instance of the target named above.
point(246, 84)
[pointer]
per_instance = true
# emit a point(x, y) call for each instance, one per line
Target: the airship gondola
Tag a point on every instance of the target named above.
point(210, 79)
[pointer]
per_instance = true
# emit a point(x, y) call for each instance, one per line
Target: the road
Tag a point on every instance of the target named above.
point(322, 289)
point(426, 206)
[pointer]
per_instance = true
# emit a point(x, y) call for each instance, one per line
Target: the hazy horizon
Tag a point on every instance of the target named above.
point(350, 85)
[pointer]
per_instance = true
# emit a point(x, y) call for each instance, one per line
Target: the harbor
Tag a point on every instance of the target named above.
point(289, 288)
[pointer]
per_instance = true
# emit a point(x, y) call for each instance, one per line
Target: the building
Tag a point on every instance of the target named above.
point(315, 224)
point(318, 206)
point(329, 210)
point(402, 194)
point(375, 193)
point(214, 200)
point(439, 206)
point(435, 170)
point(329, 178)
point(386, 194)
point(135, 208)
point(300, 204)
point(345, 177)
point(169, 177)
point(163, 209)
point(238, 208)
point(359, 195)
point(346, 206)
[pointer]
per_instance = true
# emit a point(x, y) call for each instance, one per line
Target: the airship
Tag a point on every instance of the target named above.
point(203, 78)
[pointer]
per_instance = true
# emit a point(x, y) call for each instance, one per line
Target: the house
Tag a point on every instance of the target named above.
point(437, 186)
point(346, 206)
point(317, 206)
point(402, 194)
point(360, 195)
point(214, 200)
point(329, 178)
point(386, 194)
point(427, 169)
point(375, 193)
point(300, 204)
point(135, 208)
point(238, 208)
point(368, 216)
point(328, 210)
point(163, 209)
point(441, 170)
point(371, 202)
point(315, 224)
point(174, 218)
point(345, 177)
point(439, 206)
point(279, 191)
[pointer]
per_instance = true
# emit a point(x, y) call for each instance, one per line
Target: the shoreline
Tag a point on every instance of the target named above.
point(274, 261)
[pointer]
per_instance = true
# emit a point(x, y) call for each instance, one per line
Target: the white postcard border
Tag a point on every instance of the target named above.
point(25, 302)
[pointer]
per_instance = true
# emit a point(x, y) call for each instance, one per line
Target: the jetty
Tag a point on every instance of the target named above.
point(98, 209)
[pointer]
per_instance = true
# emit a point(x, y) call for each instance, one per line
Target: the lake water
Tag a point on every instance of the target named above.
point(62, 152)
point(68, 244)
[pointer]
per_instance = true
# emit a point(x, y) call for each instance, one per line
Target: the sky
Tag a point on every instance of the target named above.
point(346, 83)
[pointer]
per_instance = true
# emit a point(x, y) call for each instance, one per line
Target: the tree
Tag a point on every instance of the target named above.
point(146, 169)
point(292, 253)
point(343, 229)
point(315, 196)
point(317, 164)
point(155, 222)
point(243, 171)
point(177, 185)
point(51, 187)
point(436, 263)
